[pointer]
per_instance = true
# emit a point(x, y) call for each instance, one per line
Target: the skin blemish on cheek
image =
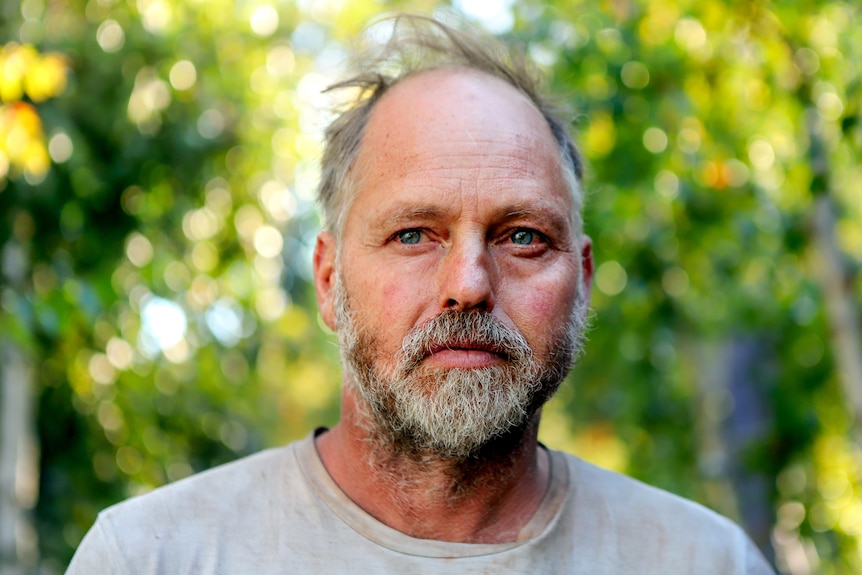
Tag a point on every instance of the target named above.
point(390, 292)
point(542, 303)
point(544, 299)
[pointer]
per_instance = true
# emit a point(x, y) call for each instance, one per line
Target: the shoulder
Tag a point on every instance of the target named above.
point(631, 496)
point(188, 520)
point(644, 523)
point(633, 499)
point(238, 482)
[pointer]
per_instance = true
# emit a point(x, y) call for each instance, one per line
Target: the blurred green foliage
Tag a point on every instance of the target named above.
point(165, 301)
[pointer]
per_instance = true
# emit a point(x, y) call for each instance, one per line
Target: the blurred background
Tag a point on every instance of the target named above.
point(158, 162)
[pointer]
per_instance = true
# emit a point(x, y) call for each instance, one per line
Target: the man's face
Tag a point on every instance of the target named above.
point(460, 240)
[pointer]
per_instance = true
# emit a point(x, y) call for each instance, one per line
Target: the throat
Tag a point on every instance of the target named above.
point(486, 498)
point(465, 501)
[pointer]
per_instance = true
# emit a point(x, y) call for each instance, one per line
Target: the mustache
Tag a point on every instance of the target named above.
point(455, 329)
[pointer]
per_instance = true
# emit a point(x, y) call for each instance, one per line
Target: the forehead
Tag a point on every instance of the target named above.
point(452, 133)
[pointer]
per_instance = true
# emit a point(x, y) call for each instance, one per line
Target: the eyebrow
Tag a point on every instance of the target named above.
point(411, 214)
point(550, 217)
point(406, 214)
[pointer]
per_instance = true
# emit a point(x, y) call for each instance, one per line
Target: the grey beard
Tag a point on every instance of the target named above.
point(452, 414)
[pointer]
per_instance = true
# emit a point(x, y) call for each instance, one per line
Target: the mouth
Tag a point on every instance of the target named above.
point(464, 355)
point(466, 346)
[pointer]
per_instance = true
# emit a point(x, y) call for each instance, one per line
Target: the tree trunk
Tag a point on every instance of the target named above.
point(18, 481)
point(18, 453)
point(835, 279)
point(732, 417)
point(751, 366)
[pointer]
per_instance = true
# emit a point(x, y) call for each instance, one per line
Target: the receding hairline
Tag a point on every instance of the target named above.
point(457, 70)
point(384, 104)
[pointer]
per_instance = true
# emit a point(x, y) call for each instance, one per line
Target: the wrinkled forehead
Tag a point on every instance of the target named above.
point(459, 120)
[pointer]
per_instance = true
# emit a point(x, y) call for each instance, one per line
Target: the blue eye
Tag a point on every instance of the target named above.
point(523, 237)
point(409, 236)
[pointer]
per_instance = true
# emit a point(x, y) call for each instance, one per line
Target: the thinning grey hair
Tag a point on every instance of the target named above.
point(420, 44)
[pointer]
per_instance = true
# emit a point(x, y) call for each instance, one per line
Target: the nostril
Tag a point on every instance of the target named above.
point(452, 303)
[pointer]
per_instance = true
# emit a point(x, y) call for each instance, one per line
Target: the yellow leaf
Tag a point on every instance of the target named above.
point(36, 160)
point(22, 139)
point(601, 136)
point(46, 77)
point(12, 67)
point(24, 115)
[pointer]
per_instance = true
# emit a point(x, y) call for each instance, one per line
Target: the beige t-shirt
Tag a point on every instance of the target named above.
point(279, 512)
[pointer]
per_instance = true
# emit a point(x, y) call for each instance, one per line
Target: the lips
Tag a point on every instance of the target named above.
point(467, 346)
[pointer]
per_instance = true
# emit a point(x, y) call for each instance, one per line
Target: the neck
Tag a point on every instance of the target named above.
point(487, 498)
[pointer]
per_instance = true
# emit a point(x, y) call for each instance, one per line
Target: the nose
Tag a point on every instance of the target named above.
point(467, 277)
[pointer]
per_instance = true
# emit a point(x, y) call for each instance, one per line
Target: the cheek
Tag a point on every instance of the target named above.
point(392, 292)
point(388, 308)
point(543, 309)
point(400, 292)
point(390, 303)
point(544, 304)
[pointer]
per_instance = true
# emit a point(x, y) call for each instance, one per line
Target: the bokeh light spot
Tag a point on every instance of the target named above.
point(224, 320)
point(655, 140)
point(494, 15)
point(761, 154)
point(139, 250)
point(110, 36)
point(264, 21)
point(675, 282)
point(60, 147)
point(183, 75)
point(164, 322)
point(635, 75)
point(210, 124)
point(667, 184)
point(611, 278)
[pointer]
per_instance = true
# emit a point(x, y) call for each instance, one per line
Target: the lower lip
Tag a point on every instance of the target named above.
point(463, 358)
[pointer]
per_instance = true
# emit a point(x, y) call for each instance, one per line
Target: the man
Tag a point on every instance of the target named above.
point(454, 268)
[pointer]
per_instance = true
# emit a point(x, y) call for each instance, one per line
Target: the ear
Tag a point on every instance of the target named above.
point(324, 277)
point(587, 266)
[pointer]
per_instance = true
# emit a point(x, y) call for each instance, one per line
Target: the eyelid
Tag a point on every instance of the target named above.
point(541, 236)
